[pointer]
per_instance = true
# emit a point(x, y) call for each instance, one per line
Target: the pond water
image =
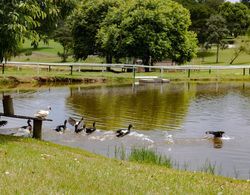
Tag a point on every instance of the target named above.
point(169, 118)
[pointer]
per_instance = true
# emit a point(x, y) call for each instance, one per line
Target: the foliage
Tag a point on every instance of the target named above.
point(200, 11)
point(150, 30)
point(246, 2)
point(85, 23)
point(217, 31)
point(242, 45)
point(64, 37)
point(237, 17)
point(26, 19)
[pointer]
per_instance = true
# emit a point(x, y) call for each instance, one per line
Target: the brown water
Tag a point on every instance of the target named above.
point(170, 118)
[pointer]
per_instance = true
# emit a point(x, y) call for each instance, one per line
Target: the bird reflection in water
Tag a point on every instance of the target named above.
point(217, 141)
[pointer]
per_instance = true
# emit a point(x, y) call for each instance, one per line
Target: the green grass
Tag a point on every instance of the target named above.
point(48, 53)
point(225, 57)
point(36, 167)
point(144, 155)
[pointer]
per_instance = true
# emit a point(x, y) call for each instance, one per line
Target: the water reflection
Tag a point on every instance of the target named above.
point(148, 107)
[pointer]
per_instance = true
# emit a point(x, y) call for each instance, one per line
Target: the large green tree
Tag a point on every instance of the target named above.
point(237, 17)
point(246, 2)
point(25, 19)
point(217, 31)
point(151, 30)
point(85, 23)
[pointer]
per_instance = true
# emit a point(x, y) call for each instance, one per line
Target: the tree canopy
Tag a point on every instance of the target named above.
point(237, 17)
point(26, 19)
point(150, 29)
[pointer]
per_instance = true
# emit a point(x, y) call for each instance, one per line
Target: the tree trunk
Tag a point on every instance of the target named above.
point(145, 61)
point(108, 61)
point(236, 56)
point(217, 53)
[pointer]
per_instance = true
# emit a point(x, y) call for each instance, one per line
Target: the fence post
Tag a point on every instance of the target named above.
point(244, 71)
point(49, 68)
point(133, 72)
point(161, 72)
point(8, 105)
point(189, 72)
point(3, 68)
point(37, 131)
point(71, 70)
point(209, 70)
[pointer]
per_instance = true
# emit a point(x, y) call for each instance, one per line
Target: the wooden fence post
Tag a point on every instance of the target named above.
point(71, 70)
point(8, 105)
point(37, 129)
point(244, 71)
point(189, 72)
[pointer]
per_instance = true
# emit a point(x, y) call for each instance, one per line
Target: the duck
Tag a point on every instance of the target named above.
point(25, 131)
point(90, 130)
point(42, 114)
point(217, 134)
point(61, 128)
point(79, 125)
point(123, 132)
point(2, 123)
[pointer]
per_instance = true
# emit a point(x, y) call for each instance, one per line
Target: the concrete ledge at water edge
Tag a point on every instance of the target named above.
point(155, 80)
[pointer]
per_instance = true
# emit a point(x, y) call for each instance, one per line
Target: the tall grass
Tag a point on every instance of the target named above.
point(144, 155)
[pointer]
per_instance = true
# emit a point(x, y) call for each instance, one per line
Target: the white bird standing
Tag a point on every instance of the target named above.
point(43, 113)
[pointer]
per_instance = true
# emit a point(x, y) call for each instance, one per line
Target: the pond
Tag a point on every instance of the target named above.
point(169, 118)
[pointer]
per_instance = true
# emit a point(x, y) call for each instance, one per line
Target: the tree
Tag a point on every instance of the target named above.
point(149, 30)
point(217, 31)
point(18, 18)
point(200, 11)
point(242, 45)
point(22, 19)
point(64, 37)
point(237, 17)
point(246, 2)
point(85, 23)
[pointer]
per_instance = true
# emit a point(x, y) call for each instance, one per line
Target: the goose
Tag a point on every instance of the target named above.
point(24, 131)
point(89, 130)
point(123, 132)
point(61, 128)
point(217, 134)
point(79, 125)
point(42, 114)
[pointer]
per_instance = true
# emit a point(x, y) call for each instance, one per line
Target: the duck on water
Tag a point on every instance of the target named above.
point(61, 128)
point(25, 131)
point(79, 125)
point(90, 130)
point(123, 132)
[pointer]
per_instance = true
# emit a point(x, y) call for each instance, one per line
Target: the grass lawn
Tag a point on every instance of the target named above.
point(38, 167)
point(48, 53)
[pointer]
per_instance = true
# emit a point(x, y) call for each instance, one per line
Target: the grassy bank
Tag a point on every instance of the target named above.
point(31, 166)
point(13, 76)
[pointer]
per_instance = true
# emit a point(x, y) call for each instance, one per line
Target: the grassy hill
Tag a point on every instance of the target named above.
point(38, 167)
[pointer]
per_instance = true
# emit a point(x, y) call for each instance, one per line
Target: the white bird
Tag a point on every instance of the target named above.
point(24, 131)
point(43, 113)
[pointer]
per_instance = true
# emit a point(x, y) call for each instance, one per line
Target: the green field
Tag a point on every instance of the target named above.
point(29, 166)
point(48, 53)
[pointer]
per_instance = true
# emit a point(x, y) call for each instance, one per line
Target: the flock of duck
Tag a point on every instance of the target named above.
point(79, 126)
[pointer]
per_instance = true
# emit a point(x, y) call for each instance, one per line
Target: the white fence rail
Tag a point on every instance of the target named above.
point(131, 66)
